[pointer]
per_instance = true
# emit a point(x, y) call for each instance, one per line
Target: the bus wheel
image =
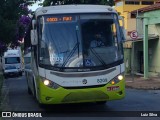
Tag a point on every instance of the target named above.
point(34, 90)
point(101, 102)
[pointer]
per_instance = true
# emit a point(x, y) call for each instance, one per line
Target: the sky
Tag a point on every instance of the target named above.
point(35, 5)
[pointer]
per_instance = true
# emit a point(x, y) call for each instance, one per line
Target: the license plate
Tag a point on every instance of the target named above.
point(113, 88)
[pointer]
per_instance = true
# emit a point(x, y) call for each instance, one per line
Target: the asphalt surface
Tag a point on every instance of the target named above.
point(17, 99)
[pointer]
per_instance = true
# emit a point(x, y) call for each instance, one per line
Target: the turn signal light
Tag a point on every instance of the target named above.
point(112, 82)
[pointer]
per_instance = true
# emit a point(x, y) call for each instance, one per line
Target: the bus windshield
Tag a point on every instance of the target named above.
point(27, 60)
point(12, 60)
point(79, 41)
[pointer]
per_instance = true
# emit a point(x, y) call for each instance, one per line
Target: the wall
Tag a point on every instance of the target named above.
point(154, 54)
point(138, 46)
point(153, 57)
point(125, 11)
point(153, 21)
point(131, 25)
point(129, 8)
point(127, 60)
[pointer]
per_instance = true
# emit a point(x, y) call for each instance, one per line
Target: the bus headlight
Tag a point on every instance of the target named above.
point(46, 82)
point(50, 84)
point(117, 79)
point(120, 77)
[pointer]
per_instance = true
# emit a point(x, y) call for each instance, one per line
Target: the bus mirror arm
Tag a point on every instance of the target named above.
point(123, 33)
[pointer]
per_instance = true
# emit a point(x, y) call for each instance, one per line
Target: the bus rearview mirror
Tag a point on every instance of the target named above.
point(34, 24)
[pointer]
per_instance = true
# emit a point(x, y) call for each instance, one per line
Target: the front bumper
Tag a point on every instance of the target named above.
point(62, 95)
point(12, 73)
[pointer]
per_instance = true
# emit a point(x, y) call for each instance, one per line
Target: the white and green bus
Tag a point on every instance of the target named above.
point(65, 67)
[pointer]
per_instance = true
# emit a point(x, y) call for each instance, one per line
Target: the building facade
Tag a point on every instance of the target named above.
point(135, 56)
point(150, 17)
point(125, 7)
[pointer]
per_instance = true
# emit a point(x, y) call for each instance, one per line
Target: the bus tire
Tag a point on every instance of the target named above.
point(34, 90)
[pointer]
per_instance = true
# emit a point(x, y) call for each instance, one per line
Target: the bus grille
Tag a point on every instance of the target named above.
point(85, 96)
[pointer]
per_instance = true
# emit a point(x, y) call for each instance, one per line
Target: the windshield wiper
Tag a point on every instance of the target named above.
point(97, 56)
point(73, 50)
point(77, 38)
point(70, 55)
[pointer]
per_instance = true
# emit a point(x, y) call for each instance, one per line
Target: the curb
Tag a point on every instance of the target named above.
point(152, 83)
point(143, 87)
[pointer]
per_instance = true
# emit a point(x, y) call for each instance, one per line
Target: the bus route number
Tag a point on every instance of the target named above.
point(59, 19)
point(53, 19)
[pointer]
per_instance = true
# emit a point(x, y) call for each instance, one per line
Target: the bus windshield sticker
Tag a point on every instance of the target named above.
point(56, 59)
point(88, 62)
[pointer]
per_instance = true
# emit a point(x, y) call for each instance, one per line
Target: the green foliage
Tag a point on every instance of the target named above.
point(9, 13)
point(54, 2)
point(7, 30)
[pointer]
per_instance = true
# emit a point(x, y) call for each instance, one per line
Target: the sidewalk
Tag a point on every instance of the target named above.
point(140, 83)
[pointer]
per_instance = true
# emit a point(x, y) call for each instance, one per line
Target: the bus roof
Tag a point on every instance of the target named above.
point(60, 9)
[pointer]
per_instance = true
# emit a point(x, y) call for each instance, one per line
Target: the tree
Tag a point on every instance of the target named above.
point(13, 24)
point(8, 17)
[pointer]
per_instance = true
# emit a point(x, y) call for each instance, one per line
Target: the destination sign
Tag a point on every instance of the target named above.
point(60, 19)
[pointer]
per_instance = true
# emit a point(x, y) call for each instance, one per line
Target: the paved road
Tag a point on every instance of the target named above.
point(15, 90)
